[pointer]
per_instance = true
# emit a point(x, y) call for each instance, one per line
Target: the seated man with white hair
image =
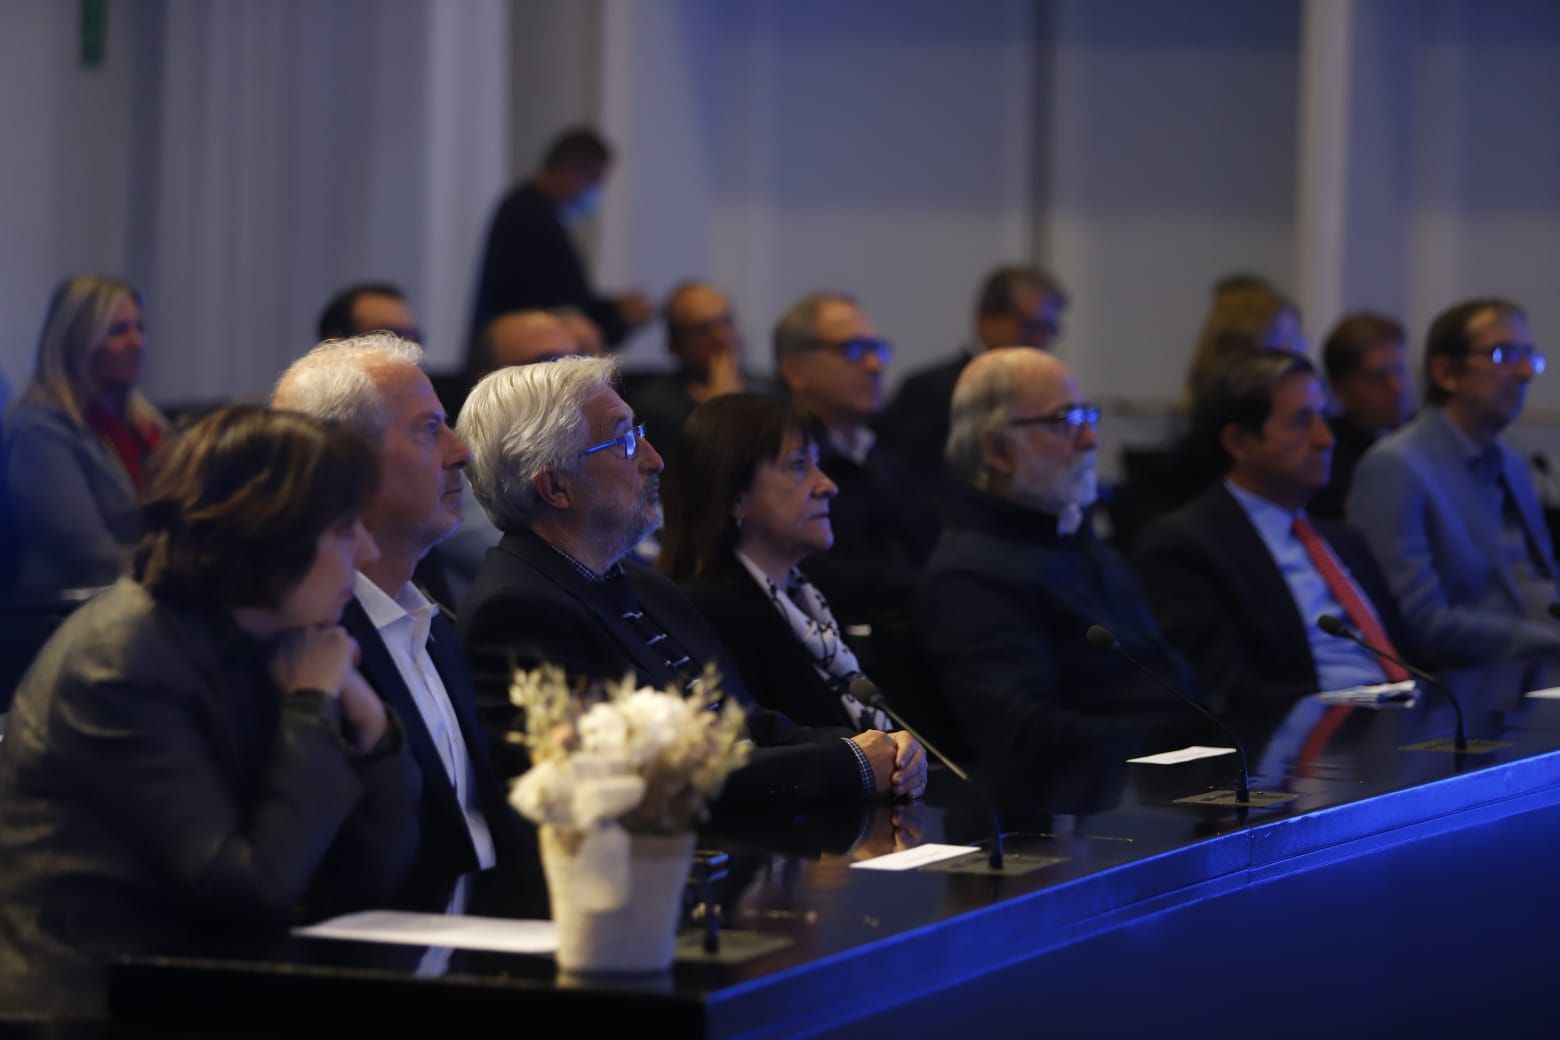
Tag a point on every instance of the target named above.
point(374, 384)
point(563, 469)
point(1018, 576)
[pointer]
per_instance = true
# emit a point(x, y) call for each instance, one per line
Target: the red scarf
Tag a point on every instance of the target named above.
point(131, 444)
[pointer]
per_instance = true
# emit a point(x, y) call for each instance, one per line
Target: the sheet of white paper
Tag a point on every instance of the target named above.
point(919, 856)
point(1550, 693)
point(1186, 754)
point(469, 933)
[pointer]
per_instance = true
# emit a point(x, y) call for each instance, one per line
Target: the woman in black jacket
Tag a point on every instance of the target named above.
point(745, 506)
point(193, 756)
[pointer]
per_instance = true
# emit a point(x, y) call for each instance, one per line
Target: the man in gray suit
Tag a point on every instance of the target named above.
point(1449, 509)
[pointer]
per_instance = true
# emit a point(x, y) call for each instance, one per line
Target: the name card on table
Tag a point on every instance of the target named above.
point(1186, 754)
point(919, 856)
point(499, 934)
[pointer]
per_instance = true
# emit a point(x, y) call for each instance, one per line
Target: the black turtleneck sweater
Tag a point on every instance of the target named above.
point(1002, 613)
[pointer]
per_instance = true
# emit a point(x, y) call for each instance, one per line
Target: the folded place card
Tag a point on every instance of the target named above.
point(1186, 754)
point(919, 856)
point(469, 933)
point(1379, 693)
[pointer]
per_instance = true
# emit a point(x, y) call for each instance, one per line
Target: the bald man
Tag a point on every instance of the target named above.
point(525, 338)
point(702, 335)
point(1018, 576)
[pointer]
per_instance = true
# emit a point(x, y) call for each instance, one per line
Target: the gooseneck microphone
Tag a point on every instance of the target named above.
point(866, 691)
point(1102, 638)
point(1336, 626)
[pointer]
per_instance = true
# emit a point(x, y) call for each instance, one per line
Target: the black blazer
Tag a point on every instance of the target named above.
point(1223, 603)
point(446, 851)
point(776, 669)
point(157, 792)
point(531, 603)
point(915, 424)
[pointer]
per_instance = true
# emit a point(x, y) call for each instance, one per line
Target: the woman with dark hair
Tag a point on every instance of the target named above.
point(193, 756)
point(745, 506)
point(77, 442)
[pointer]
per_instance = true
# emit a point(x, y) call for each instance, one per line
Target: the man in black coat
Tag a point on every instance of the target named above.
point(477, 853)
point(530, 262)
point(563, 470)
point(1018, 578)
point(1368, 376)
point(1236, 578)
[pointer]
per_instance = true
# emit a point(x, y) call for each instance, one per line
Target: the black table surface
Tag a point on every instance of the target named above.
point(856, 940)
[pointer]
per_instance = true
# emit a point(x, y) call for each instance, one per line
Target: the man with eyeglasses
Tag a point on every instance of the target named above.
point(1450, 509)
point(1018, 305)
point(832, 360)
point(1368, 376)
point(1238, 576)
point(563, 467)
point(1018, 576)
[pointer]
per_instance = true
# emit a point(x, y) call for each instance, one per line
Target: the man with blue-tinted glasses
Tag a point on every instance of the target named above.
point(1450, 510)
point(831, 359)
point(1018, 577)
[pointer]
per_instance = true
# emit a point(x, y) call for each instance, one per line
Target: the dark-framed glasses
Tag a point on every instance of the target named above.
point(856, 350)
point(1072, 417)
point(630, 441)
point(1513, 354)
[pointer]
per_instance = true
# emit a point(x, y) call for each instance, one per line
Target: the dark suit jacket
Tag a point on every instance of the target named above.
point(531, 603)
point(158, 792)
point(530, 261)
point(1225, 606)
point(1350, 443)
point(884, 530)
point(915, 423)
point(446, 851)
point(776, 669)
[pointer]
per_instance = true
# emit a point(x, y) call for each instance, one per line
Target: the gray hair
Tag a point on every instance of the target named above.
point(335, 381)
point(521, 421)
point(982, 405)
point(797, 327)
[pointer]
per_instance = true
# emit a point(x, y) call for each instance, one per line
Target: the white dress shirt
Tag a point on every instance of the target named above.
point(403, 623)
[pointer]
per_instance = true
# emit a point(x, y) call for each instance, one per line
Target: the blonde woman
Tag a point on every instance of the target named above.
point(77, 441)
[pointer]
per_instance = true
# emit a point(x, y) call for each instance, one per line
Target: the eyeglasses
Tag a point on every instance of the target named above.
point(1031, 327)
point(856, 350)
point(630, 441)
point(1513, 354)
point(1072, 417)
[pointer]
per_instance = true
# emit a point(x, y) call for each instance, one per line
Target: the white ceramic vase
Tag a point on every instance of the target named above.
point(640, 935)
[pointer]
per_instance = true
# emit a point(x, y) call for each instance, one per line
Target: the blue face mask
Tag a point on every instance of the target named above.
point(582, 205)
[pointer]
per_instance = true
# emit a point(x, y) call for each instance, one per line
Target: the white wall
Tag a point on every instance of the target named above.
point(781, 147)
point(63, 189)
point(242, 159)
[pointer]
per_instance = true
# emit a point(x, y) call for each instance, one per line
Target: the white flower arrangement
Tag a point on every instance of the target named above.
point(652, 760)
point(607, 762)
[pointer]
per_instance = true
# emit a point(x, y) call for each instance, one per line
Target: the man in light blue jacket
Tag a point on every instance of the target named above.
point(1450, 510)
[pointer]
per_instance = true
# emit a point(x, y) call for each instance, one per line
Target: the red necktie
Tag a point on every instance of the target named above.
point(1348, 595)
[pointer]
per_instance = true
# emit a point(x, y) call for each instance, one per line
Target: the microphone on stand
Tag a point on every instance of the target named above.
point(1102, 638)
point(866, 691)
point(1336, 626)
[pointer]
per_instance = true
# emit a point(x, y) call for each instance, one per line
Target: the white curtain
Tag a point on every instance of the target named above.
point(285, 148)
